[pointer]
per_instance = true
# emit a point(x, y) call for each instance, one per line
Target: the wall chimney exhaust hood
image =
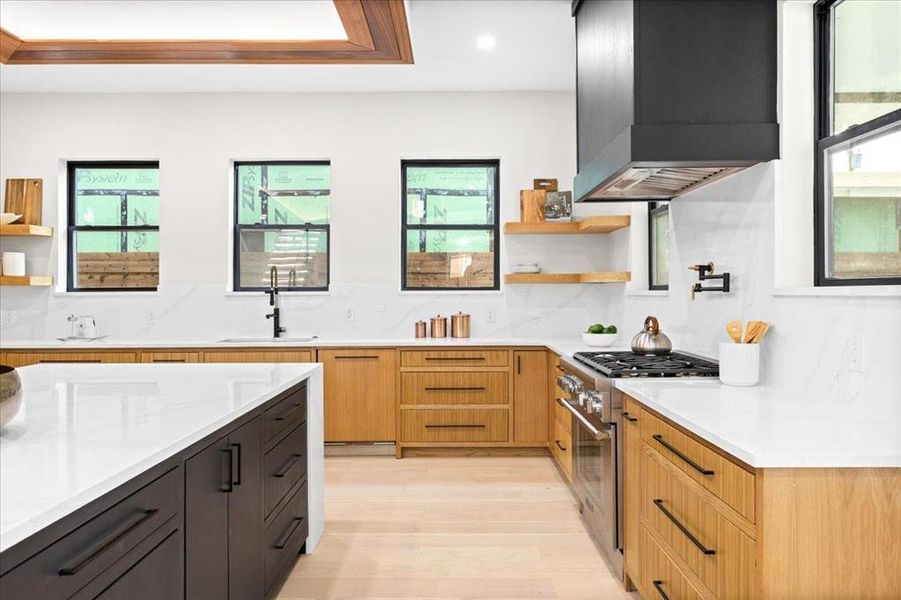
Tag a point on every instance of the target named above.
point(672, 96)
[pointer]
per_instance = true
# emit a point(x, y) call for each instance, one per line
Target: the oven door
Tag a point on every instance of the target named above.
point(594, 478)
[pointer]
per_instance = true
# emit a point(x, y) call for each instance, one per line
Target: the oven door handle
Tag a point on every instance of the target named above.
point(598, 435)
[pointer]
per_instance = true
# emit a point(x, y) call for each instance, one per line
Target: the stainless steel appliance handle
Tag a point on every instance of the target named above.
point(598, 435)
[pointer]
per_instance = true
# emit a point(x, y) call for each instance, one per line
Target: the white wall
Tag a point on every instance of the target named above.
point(195, 136)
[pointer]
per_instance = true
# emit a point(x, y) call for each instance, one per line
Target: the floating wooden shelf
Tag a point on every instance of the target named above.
point(22, 230)
point(32, 280)
point(593, 277)
point(599, 224)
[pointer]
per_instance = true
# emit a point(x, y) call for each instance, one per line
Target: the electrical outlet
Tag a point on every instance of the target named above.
point(492, 315)
point(151, 318)
point(349, 315)
point(8, 318)
point(855, 353)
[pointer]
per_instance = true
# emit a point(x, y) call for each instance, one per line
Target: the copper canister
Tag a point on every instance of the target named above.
point(460, 325)
point(421, 329)
point(439, 327)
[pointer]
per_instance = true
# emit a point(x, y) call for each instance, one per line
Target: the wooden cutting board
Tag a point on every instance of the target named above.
point(531, 205)
point(25, 197)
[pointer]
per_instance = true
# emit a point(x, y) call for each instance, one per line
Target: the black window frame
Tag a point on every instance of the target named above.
point(494, 226)
point(237, 228)
point(824, 139)
point(654, 209)
point(72, 227)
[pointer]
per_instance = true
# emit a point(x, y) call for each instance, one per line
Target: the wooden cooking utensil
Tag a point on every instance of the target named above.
point(733, 328)
point(751, 331)
point(760, 329)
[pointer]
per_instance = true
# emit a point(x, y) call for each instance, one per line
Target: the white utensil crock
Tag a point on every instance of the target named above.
point(14, 264)
point(739, 364)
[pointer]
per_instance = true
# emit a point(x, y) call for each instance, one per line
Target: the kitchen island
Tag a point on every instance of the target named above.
point(188, 469)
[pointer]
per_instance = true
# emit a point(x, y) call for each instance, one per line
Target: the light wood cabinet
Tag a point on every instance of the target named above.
point(464, 387)
point(170, 357)
point(23, 359)
point(559, 420)
point(530, 396)
point(359, 394)
point(257, 355)
point(457, 425)
point(455, 358)
point(632, 446)
point(662, 578)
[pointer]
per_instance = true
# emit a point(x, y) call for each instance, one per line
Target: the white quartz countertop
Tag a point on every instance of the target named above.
point(564, 344)
point(769, 428)
point(83, 430)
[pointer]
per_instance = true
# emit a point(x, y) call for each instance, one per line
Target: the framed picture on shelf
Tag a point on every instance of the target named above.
point(558, 206)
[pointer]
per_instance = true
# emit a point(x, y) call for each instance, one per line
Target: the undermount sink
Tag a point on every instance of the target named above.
point(258, 340)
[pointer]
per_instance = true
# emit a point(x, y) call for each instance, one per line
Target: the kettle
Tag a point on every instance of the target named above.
point(650, 341)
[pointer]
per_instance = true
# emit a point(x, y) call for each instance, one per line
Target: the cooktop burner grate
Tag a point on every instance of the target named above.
point(629, 364)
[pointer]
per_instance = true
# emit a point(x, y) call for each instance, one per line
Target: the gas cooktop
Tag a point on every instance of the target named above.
point(629, 364)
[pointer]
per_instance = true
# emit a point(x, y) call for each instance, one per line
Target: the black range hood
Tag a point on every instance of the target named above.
point(672, 94)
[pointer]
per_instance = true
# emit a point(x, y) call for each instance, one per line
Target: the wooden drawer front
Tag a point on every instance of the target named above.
point(285, 414)
point(283, 467)
point(74, 560)
point(258, 356)
point(563, 416)
point(454, 358)
point(661, 578)
point(631, 411)
point(711, 546)
point(473, 387)
point(170, 357)
point(284, 537)
point(561, 448)
point(730, 482)
point(455, 425)
point(23, 359)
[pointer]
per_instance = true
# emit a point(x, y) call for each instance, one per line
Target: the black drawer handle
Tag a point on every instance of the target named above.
point(364, 357)
point(658, 585)
point(455, 389)
point(119, 532)
point(169, 360)
point(229, 485)
point(288, 412)
point(629, 417)
point(659, 503)
point(688, 461)
point(288, 465)
point(236, 464)
point(455, 426)
point(282, 541)
point(562, 449)
point(477, 358)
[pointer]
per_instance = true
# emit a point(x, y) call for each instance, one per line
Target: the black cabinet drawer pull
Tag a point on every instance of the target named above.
point(288, 412)
point(117, 534)
point(169, 360)
point(687, 460)
point(362, 357)
point(476, 358)
point(293, 526)
point(288, 465)
point(65, 361)
point(236, 464)
point(229, 485)
point(659, 503)
point(658, 585)
point(455, 426)
point(455, 389)
point(562, 449)
point(629, 417)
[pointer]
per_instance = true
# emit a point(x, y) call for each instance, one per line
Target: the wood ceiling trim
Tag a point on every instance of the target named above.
point(377, 33)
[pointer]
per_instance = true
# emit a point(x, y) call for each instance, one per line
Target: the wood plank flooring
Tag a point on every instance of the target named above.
point(451, 527)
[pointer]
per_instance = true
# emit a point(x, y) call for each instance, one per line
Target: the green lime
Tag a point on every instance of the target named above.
point(610, 329)
point(596, 328)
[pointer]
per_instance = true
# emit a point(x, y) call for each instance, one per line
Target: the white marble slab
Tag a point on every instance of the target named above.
point(767, 427)
point(83, 430)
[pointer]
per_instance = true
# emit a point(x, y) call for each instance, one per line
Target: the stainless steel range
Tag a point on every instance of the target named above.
point(596, 408)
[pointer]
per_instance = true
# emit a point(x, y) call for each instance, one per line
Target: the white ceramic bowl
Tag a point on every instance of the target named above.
point(7, 218)
point(599, 339)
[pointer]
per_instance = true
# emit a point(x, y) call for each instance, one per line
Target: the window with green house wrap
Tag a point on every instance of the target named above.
point(282, 222)
point(450, 225)
point(113, 226)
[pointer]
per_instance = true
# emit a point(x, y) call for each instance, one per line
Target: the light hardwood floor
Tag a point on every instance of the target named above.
point(448, 527)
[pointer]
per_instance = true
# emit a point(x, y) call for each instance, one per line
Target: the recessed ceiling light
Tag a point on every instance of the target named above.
point(485, 41)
